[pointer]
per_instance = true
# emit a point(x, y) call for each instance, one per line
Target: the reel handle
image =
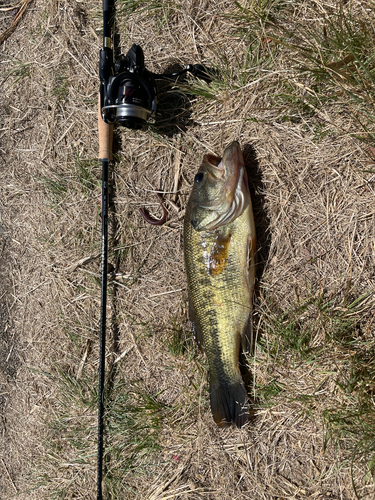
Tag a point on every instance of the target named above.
point(105, 136)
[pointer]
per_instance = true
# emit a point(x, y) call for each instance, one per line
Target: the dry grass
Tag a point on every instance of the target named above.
point(304, 116)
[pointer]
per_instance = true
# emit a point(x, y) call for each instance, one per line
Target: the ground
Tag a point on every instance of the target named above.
point(301, 106)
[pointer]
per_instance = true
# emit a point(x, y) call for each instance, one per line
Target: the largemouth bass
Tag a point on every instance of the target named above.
point(219, 250)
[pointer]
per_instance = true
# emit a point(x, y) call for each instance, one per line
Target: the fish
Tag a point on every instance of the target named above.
point(220, 263)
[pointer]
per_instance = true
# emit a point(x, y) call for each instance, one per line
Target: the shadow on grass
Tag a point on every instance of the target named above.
point(262, 222)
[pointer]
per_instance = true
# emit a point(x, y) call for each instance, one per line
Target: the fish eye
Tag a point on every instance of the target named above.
point(199, 177)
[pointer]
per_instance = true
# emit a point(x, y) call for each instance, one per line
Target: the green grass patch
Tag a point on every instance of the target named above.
point(329, 52)
point(133, 421)
point(19, 71)
point(61, 85)
point(330, 336)
point(179, 341)
point(80, 175)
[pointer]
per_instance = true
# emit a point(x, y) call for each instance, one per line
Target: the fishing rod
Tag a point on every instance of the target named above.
point(127, 97)
point(105, 132)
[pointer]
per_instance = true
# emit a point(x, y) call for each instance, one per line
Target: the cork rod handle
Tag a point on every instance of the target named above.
point(105, 137)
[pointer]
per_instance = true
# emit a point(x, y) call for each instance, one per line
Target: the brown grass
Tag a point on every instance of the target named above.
point(312, 185)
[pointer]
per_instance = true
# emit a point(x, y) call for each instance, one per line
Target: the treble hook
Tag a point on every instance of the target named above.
point(151, 220)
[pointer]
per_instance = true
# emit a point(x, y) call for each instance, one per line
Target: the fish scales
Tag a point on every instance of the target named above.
point(222, 303)
point(220, 273)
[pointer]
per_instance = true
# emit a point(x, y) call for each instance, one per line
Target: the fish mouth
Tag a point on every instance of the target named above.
point(232, 163)
point(227, 168)
point(214, 166)
point(231, 168)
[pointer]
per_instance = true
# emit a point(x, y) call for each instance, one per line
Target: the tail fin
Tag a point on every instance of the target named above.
point(229, 403)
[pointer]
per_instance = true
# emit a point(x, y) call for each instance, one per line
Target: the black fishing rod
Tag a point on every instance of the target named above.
point(105, 131)
point(127, 97)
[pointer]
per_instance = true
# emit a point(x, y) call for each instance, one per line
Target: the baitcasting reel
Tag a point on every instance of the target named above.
point(128, 92)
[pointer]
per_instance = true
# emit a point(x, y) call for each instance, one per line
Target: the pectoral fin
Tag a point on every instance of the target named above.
point(219, 254)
